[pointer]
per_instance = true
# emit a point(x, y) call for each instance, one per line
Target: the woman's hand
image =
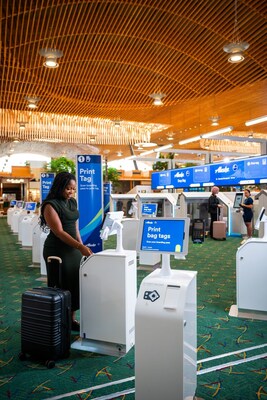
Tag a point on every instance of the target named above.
point(86, 251)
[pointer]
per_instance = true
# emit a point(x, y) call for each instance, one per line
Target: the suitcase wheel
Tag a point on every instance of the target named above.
point(50, 364)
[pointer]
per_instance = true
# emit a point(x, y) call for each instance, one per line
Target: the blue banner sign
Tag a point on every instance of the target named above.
point(46, 183)
point(90, 199)
point(241, 172)
point(107, 193)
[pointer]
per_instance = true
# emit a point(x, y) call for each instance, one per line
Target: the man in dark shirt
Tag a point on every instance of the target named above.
point(214, 208)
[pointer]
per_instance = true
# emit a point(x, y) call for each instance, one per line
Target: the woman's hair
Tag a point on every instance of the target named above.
point(61, 181)
point(247, 190)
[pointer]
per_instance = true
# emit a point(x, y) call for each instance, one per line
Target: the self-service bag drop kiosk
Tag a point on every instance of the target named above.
point(108, 289)
point(165, 316)
point(27, 224)
point(251, 276)
point(19, 211)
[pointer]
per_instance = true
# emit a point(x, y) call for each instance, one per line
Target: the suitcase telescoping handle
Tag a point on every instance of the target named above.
point(220, 213)
point(54, 271)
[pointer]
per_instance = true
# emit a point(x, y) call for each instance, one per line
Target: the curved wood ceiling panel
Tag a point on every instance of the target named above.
point(118, 52)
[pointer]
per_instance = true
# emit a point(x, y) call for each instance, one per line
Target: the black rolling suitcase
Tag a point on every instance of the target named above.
point(198, 230)
point(45, 324)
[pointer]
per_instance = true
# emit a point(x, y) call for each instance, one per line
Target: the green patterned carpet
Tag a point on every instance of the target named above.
point(105, 377)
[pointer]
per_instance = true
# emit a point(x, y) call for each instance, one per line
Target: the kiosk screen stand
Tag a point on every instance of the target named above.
point(112, 226)
point(168, 236)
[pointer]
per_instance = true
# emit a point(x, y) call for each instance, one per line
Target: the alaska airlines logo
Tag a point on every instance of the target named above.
point(235, 167)
point(222, 170)
point(179, 175)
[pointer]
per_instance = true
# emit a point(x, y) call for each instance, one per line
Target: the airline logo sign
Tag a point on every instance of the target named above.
point(252, 170)
point(181, 177)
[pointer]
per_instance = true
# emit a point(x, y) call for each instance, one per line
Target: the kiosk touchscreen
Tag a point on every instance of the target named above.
point(30, 206)
point(13, 203)
point(164, 235)
point(149, 209)
point(238, 199)
point(20, 204)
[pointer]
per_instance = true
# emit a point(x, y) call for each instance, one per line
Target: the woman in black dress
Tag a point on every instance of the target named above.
point(247, 207)
point(59, 212)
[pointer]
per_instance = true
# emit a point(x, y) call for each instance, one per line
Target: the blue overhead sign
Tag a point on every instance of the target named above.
point(241, 172)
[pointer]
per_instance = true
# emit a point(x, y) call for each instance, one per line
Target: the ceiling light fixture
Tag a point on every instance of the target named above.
point(217, 132)
point(117, 123)
point(215, 120)
point(157, 98)
point(235, 48)
point(146, 144)
point(157, 150)
point(206, 135)
point(51, 56)
point(22, 125)
point(190, 140)
point(170, 136)
point(255, 121)
point(32, 102)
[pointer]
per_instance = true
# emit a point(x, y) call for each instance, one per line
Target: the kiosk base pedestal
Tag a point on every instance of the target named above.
point(107, 302)
point(165, 339)
point(95, 346)
point(240, 313)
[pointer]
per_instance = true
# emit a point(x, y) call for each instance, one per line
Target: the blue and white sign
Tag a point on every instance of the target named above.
point(241, 172)
point(90, 199)
point(149, 209)
point(46, 183)
point(163, 235)
point(107, 193)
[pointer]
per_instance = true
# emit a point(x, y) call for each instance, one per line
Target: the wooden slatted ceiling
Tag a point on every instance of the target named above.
point(118, 52)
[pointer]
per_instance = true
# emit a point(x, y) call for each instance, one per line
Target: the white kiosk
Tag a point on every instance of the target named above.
point(251, 276)
point(10, 211)
point(108, 295)
point(27, 223)
point(16, 215)
point(165, 317)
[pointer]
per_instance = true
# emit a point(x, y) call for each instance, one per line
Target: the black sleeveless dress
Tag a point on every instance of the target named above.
point(71, 257)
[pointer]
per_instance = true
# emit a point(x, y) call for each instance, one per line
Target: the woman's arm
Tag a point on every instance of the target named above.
point(78, 236)
point(54, 223)
point(246, 205)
